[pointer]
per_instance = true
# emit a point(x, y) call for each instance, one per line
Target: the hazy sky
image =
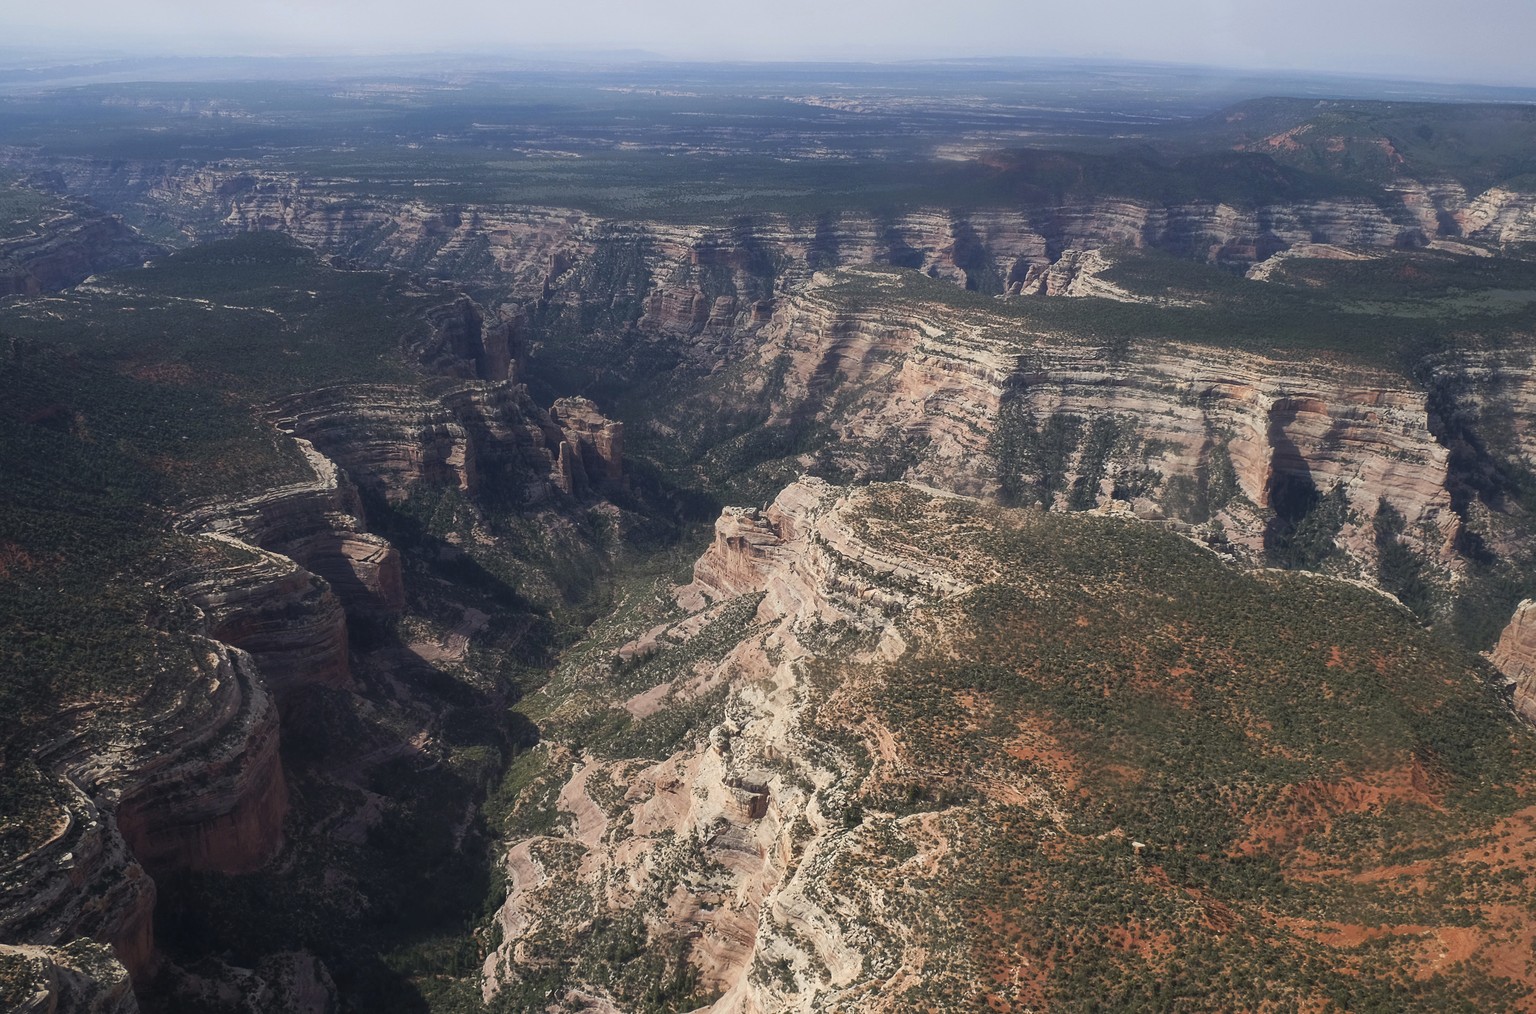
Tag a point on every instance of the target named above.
point(1471, 40)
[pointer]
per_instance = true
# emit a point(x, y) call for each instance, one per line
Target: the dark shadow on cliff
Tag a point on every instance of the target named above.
point(1304, 521)
point(391, 863)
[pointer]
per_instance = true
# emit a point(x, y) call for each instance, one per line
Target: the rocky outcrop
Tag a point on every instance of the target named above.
point(220, 807)
point(753, 793)
point(66, 248)
point(1515, 657)
point(1192, 435)
point(906, 392)
point(462, 343)
point(317, 525)
point(471, 435)
point(192, 783)
point(592, 450)
point(287, 618)
point(81, 977)
point(711, 281)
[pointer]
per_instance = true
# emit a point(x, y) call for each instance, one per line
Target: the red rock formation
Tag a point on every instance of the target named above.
point(286, 617)
point(317, 525)
point(195, 784)
point(597, 440)
point(222, 812)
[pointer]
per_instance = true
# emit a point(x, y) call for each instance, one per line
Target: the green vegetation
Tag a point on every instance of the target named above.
point(1229, 722)
point(1441, 302)
point(1401, 570)
point(1476, 144)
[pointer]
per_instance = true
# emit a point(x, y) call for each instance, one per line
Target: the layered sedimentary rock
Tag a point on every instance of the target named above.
point(193, 783)
point(67, 248)
point(221, 809)
point(316, 524)
point(709, 281)
point(81, 977)
point(286, 617)
point(465, 435)
point(751, 793)
point(1515, 657)
point(930, 388)
point(593, 446)
point(462, 343)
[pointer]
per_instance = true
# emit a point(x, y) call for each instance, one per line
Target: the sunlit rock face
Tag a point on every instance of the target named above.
point(1515, 657)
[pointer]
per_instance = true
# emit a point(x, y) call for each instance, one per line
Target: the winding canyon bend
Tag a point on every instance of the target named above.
point(1023, 603)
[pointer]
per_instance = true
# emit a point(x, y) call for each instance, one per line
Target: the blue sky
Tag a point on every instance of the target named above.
point(1474, 40)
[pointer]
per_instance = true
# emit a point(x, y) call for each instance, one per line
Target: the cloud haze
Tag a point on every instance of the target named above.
point(1478, 40)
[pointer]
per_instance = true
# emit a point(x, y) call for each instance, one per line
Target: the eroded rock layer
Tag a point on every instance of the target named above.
point(1189, 435)
point(1515, 657)
point(190, 783)
point(711, 280)
point(846, 827)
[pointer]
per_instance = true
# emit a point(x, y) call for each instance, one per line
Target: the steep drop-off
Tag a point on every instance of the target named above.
point(915, 730)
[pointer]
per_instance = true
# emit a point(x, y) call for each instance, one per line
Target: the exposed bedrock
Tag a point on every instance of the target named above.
point(1187, 433)
point(711, 280)
point(592, 449)
point(190, 782)
point(286, 617)
point(222, 808)
point(1515, 657)
point(1484, 410)
point(318, 525)
point(68, 248)
point(758, 792)
point(470, 435)
point(82, 977)
point(462, 343)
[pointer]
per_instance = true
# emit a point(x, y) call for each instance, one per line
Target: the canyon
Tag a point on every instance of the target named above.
point(759, 786)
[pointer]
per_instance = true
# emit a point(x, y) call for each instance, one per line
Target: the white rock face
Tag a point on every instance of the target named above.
point(1515, 657)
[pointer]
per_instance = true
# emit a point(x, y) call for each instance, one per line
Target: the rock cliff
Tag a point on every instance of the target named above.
point(1189, 435)
point(1515, 657)
point(68, 247)
point(318, 525)
point(750, 797)
point(809, 846)
point(287, 618)
point(191, 781)
point(79, 978)
point(470, 435)
point(710, 280)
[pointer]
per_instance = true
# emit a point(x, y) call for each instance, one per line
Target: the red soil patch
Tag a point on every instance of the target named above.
point(1035, 744)
point(1312, 805)
point(1022, 976)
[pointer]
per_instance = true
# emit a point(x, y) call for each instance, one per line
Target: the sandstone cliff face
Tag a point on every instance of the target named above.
point(67, 248)
point(81, 977)
point(284, 616)
point(753, 795)
point(222, 807)
point(467, 435)
point(192, 783)
point(1186, 434)
point(592, 450)
point(462, 343)
point(710, 281)
point(190, 779)
point(317, 525)
point(1515, 657)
